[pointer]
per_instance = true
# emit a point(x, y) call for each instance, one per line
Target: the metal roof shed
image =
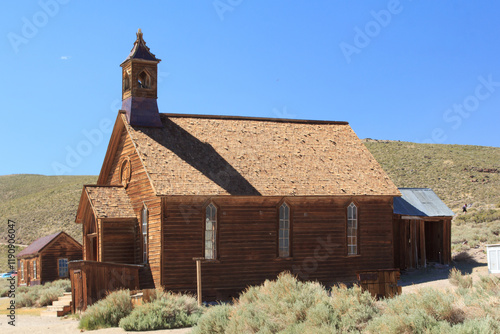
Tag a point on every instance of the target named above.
point(422, 229)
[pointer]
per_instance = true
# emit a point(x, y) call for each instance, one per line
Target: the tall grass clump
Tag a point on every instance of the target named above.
point(107, 312)
point(457, 279)
point(165, 311)
point(290, 306)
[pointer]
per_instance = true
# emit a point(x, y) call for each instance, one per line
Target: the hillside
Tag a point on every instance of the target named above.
point(40, 205)
point(457, 173)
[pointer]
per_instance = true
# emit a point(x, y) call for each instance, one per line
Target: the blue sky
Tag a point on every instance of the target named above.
point(421, 71)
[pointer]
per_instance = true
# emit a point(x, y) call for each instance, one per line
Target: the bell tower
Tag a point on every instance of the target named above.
point(139, 85)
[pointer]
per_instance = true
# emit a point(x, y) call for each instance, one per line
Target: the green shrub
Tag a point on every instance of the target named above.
point(165, 311)
point(480, 325)
point(214, 320)
point(287, 305)
point(107, 312)
point(456, 278)
point(26, 299)
point(428, 311)
point(48, 295)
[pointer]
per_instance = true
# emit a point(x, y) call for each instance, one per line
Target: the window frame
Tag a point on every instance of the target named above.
point(145, 234)
point(289, 230)
point(215, 232)
point(65, 259)
point(349, 230)
point(34, 269)
point(22, 270)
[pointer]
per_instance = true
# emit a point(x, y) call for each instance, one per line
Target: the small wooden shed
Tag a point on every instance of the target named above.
point(46, 259)
point(422, 229)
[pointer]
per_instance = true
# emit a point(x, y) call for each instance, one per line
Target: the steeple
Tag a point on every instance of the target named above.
point(139, 85)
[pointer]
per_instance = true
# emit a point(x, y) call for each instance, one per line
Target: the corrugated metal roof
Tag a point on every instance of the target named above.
point(420, 202)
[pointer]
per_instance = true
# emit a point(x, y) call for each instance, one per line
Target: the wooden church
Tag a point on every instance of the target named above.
point(251, 196)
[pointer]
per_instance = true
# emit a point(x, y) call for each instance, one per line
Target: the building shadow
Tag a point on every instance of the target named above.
point(201, 156)
point(436, 271)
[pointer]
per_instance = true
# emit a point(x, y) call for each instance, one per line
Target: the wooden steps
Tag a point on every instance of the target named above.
point(59, 307)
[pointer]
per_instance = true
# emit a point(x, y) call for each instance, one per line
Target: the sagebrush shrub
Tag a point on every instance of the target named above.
point(164, 311)
point(108, 311)
point(214, 320)
point(64, 284)
point(48, 295)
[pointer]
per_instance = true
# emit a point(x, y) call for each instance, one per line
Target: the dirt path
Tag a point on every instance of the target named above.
point(26, 324)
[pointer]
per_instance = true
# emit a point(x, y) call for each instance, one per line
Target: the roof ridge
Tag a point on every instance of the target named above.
point(254, 118)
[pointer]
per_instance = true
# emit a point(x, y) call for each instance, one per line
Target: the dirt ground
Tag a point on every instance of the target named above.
point(26, 324)
point(434, 276)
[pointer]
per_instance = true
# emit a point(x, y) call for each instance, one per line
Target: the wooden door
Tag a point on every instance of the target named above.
point(78, 300)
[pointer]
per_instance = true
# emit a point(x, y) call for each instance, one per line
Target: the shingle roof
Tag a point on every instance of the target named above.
point(38, 244)
point(420, 202)
point(109, 202)
point(216, 155)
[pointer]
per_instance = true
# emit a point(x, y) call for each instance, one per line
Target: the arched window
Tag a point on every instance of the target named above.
point(211, 232)
point(284, 231)
point(144, 80)
point(126, 82)
point(352, 229)
point(144, 230)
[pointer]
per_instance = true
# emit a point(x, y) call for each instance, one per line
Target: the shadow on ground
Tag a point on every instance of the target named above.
point(436, 271)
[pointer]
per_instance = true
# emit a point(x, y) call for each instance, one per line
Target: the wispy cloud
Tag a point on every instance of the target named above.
point(65, 57)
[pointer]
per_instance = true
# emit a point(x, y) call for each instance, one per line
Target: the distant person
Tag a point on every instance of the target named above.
point(464, 208)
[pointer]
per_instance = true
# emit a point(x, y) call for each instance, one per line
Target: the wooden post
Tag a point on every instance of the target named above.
point(198, 278)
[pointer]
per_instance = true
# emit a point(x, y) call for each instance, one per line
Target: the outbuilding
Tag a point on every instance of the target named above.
point(47, 258)
point(422, 229)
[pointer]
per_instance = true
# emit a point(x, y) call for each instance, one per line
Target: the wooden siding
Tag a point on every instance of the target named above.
point(140, 192)
point(119, 241)
point(62, 247)
point(248, 240)
point(421, 240)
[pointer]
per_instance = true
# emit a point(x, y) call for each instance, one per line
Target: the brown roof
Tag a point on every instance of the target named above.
point(218, 155)
point(109, 202)
point(37, 245)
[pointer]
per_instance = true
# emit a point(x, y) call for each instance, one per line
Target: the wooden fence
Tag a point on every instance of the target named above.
point(91, 281)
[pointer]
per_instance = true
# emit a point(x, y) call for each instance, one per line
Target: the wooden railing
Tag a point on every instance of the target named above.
point(91, 281)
